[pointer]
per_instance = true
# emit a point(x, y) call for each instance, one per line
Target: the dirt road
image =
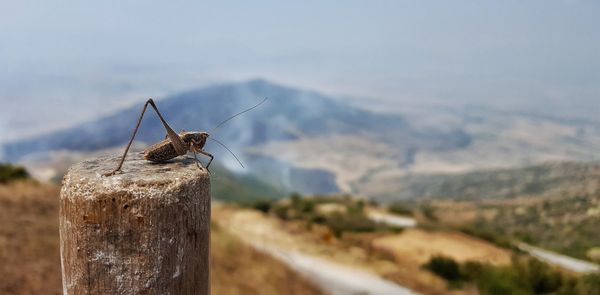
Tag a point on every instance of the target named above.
point(325, 271)
point(569, 263)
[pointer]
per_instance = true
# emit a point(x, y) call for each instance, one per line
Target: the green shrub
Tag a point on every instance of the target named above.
point(470, 270)
point(541, 278)
point(262, 205)
point(400, 208)
point(488, 235)
point(429, 212)
point(10, 172)
point(590, 284)
point(356, 207)
point(302, 205)
point(281, 212)
point(444, 267)
point(318, 219)
point(527, 275)
point(500, 281)
point(339, 223)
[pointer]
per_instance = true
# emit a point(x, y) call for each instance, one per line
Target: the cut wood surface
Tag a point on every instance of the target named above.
point(143, 231)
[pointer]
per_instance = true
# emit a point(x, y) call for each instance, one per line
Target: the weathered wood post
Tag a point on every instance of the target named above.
point(145, 231)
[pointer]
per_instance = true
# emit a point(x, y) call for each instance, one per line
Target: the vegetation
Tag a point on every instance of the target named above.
point(553, 206)
point(227, 186)
point(428, 211)
point(340, 223)
point(444, 267)
point(9, 172)
point(565, 225)
point(400, 208)
point(487, 235)
point(567, 179)
point(349, 216)
point(524, 276)
point(261, 205)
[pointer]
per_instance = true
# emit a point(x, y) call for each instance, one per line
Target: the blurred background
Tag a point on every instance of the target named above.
point(405, 147)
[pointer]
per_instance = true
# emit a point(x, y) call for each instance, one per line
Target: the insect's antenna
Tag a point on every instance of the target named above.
point(223, 145)
point(247, 110)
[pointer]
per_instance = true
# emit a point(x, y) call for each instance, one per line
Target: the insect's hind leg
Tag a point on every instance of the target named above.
point(137, 126)
point(177, 142)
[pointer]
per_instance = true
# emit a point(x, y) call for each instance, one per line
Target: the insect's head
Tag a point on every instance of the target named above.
point(197, 138)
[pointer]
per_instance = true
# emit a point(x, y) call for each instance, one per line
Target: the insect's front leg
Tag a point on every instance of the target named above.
point(195, 148)
point(192, 148)
point(208, 155)
point(197, 161)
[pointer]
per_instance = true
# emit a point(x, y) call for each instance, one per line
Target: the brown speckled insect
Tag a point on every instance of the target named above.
point(175, 145)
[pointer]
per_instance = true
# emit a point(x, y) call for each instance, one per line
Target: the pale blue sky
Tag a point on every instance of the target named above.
point(85, 55)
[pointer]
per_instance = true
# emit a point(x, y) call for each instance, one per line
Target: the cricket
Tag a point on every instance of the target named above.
point(174, 144)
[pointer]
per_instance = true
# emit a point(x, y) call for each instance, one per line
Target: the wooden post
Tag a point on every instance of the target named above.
point(145, 231)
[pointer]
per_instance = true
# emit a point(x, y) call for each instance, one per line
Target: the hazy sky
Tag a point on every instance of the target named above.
point(91, 57)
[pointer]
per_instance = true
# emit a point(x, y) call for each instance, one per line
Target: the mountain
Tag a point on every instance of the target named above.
point(304, 141)
point(289, 115)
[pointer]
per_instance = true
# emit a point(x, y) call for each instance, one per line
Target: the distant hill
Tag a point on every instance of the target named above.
point(560, 179)
point(289, 114)
point(307, 142)
point(228, 186)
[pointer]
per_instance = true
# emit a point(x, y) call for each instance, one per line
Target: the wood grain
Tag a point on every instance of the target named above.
point(145, 231)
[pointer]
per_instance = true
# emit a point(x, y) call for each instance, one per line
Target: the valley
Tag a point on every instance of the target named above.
point(335, 233)
point(308, 241)
point(431, 202)
point(308, 142)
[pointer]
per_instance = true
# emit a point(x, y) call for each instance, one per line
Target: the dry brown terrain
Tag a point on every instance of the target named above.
point(419, 246)
point(30, 262)
point(29, 251)
point(239, 269)
point(497, 141)
point(352, 251)
point(562, 223)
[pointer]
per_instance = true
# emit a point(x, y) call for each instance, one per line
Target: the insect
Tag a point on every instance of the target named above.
point(174, 144)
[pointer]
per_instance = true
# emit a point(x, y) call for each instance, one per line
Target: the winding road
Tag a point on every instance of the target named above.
point(566, 262)
point(334, 278)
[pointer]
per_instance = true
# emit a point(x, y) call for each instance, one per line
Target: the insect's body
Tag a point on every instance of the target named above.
point(164, 150)
point(175, 144)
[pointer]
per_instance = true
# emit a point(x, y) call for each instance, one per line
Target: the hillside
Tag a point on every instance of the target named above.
point(555, 206)
point(558, 179)
point(308, 142)
point(567, 225)
point(228, 186)
point(29, 251)
point(427, 259)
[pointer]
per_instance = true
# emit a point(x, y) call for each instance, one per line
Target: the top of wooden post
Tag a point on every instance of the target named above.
point(139, 177)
